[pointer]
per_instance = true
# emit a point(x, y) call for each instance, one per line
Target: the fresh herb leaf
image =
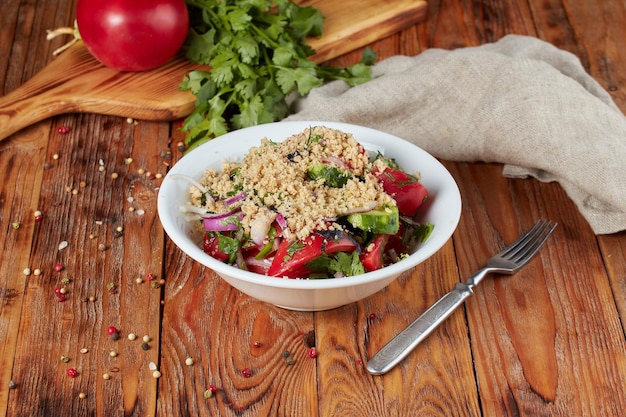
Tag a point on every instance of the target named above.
point(257, 55)
point(342, 263)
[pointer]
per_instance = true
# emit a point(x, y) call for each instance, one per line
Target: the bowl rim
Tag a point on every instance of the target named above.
point(194, 251)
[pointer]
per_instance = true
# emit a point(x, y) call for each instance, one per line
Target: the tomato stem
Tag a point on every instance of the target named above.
point(63, 31)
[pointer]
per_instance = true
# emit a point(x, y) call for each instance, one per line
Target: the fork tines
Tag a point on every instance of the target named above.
point(529, 243)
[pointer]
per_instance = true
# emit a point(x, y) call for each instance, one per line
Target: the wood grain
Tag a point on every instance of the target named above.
point(548, 341)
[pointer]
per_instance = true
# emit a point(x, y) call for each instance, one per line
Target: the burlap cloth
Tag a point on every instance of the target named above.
point(519, 101)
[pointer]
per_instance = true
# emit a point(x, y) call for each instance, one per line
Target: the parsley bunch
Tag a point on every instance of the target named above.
point(257, 56)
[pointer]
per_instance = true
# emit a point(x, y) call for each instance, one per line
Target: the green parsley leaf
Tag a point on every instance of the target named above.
point(257, 54)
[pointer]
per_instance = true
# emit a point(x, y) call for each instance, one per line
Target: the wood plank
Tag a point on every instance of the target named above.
point(19, 202)
point(83, 206)
point(537, 360)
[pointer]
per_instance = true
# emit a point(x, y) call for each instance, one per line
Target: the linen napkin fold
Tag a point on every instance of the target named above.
point(519, 101)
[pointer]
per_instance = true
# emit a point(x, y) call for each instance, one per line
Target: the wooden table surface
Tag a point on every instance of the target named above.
point(549, 341)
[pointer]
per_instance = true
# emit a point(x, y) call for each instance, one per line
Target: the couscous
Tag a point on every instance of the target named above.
point(312, 206)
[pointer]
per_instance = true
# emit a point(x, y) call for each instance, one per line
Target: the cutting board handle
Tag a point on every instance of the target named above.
point(75, 82)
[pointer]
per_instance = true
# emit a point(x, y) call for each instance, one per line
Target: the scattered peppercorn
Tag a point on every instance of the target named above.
point(286, 353)
point(208, 394)
point(289, 361)
point(12, 384)
point(106, 376)
point(156, 374)
point(65, 359)
point(213, 389)
point(146, 338)
point(15, 225)
point(246, 372)
point(145, 346)
point(115, 336)
point(111, 330)
point(132, 336)
point(62, 130)
point(312, 353)
point(189, 361)
point(256, 344)
point(71, 372)
point(82, 395)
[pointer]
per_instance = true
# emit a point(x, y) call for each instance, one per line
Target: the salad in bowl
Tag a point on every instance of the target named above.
point(309, 215)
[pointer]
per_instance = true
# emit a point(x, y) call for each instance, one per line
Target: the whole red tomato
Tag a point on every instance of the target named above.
point(132, 35)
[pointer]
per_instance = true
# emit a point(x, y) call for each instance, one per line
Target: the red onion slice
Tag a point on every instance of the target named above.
point(223, 222)
point(232, 200)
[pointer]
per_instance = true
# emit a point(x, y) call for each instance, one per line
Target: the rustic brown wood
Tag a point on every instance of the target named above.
point(75, 82)
point(549, 341)
point(352, 24)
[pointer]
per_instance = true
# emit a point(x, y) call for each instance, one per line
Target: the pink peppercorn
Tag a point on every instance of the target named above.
point(149, 277)
point(256, 344)
point(312, 353)
point(62, 130)
point(72, 373)
point(111, 330)
point(246, 372)
point(58, 267)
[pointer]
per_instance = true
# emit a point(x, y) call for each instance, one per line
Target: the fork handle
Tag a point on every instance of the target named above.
point(401, 345)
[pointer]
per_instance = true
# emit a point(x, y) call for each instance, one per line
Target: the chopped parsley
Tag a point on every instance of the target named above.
point(257, 55)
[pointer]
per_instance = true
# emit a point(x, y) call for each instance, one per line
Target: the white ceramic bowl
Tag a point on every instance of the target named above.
point(443, 209)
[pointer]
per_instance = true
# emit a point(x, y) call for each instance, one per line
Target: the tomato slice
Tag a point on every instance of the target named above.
point(339, 245)
point(408, 192)
point(291, 257)
point(210, 244)
point(221, 246)
point(372, 256)
point(259, 266)
point(395, 246)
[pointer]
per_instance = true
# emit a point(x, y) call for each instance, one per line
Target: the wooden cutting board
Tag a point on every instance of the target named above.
point(75, 82)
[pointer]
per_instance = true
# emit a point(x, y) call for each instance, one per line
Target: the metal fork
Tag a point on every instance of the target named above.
point(508, 261)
